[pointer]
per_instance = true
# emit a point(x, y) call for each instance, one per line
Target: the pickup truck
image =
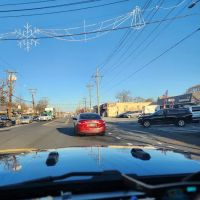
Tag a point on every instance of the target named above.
point(178, 117)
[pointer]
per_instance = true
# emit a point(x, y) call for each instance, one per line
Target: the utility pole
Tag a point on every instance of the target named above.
point(89, 86)
point(2, 95)
point(33, 93)
point(97, 79)
point(85, 104)
point(10, 80)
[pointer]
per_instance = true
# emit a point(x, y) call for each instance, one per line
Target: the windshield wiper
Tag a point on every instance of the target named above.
point(100, 181)
point(48, 179)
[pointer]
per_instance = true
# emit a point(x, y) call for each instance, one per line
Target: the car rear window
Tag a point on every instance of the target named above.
point(196, 109)
point(89, 116)
point(25, 117)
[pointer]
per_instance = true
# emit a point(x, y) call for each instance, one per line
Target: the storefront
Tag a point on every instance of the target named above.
point(178, 101)
point(114, 109)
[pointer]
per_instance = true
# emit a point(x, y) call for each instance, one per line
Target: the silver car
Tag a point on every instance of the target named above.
point(26, 120)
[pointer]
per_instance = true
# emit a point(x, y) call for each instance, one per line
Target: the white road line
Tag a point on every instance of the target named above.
point(159, 142)
point(48, 123)
point(171, 147)
point(129, 144)
point(15, 126)
point(118, 138)
point(109, 133)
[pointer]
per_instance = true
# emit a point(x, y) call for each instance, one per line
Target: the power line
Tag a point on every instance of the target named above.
point(157, 57)
point(24, 3)
point(122, 41)
point(48, 7)
point(33, 93)
point(114, 66)
point(89, 87)
point(157, 35)
point(97, 80)
point(22, 99)
point(124, 58)
point(63, 11)
point(100, 31)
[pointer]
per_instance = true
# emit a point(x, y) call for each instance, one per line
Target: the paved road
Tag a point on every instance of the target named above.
point(55, 134)
point(59, 133)
point(186, 138)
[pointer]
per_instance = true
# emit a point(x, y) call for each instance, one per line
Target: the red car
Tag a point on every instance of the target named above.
point(89, 124)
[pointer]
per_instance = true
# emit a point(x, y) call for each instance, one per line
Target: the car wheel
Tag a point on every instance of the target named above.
point(181, 123)
point(8, 124)
point(75, 131)
point(102, 134)
point(146, 123)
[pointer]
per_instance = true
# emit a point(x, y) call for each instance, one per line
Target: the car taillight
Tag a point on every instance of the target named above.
point(82, 123)
point(100, 123)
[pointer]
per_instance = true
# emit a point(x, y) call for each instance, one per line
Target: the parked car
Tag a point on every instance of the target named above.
point(89, 124)
point(16, 120)
point(178, 117)
point(26, 119)
point(129, 114)
point(44, 117)
point(5, 121)
point(35, 118)
point(195, 112)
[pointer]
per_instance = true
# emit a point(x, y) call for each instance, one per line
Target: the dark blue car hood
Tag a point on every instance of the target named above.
point(18, 167)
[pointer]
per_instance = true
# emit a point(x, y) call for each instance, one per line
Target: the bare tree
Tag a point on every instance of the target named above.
point(20, 105)
point(124, 96)
point(149, 100)
point(41, 105)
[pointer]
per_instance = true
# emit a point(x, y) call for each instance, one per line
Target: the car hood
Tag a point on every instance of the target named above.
point(27, 165)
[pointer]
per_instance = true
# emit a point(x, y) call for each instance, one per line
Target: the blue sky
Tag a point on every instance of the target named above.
point(60, 70)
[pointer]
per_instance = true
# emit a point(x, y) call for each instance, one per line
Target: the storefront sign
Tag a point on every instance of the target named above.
point(181, 99)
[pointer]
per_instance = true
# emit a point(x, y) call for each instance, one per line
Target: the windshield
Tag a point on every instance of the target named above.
point(89, 116)
point(25, 117)
point(99, 73)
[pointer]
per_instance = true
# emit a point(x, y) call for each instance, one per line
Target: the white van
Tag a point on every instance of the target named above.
point(195, 112)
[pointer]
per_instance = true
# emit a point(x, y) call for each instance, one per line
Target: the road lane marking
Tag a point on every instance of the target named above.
point(129, 144)
point(118, 138)
point(129, 147)
point(171, 147)
point(159, 142)
point(67, 121)
point(17, 150)
point(109, 133)
point(48, 123)
point(15, 126)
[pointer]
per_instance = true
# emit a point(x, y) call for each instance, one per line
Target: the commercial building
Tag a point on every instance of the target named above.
point(180, 100)
point(114, 109)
